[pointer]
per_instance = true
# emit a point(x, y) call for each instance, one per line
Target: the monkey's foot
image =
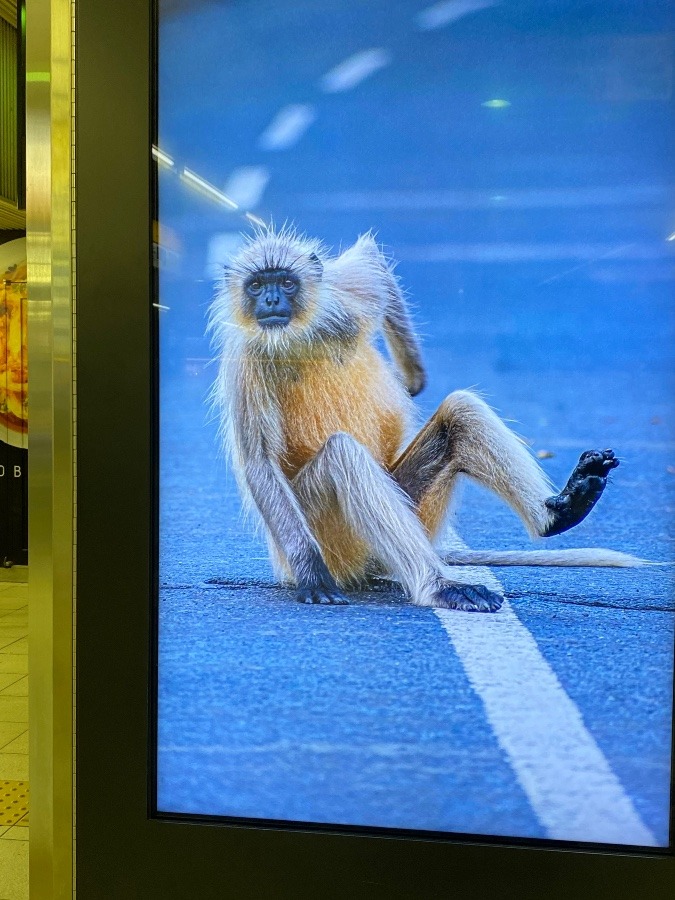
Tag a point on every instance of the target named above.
point(321, 595)
point(582, 491)
point(466, 597)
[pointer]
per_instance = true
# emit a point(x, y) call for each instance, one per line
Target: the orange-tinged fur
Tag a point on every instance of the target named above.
point(359, 395)
point(432, 510)
point(344, 554)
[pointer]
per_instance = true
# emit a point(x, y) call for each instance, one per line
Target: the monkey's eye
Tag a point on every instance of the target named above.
point(255, 288)
point(288, 285)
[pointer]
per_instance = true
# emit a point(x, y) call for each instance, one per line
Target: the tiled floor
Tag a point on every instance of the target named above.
point(13, 738)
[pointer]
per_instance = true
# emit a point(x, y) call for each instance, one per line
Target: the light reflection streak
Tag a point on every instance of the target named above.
point(202, 186)
point(162, 158)
point(255, 220)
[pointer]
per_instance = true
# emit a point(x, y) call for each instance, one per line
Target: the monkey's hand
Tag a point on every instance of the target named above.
point(320, 588)
point(466, 597)
point(415, 378)
point(582, 491)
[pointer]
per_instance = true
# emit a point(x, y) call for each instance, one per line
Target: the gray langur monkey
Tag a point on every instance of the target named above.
point(314, 419)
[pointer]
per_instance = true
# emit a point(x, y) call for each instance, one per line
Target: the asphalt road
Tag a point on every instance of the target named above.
point(532, 240)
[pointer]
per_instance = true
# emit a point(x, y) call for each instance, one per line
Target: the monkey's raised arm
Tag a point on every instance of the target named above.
point(287, 523)
point(364, 272)
point(401, 338)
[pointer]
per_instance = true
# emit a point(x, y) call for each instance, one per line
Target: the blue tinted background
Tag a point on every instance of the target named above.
point(533, 240)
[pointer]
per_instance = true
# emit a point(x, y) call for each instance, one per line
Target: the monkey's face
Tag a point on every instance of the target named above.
point(271, 292)
point(271, 297)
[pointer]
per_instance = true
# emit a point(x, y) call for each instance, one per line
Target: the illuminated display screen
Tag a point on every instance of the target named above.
point(416, 434)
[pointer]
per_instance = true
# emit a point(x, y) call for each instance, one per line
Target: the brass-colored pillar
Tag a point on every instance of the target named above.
point(51, 443)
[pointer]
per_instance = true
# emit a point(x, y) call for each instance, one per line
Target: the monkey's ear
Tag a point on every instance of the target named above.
point(317, 265)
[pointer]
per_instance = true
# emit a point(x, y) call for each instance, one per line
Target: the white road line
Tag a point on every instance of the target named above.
point(246, 185)
point(287, 127)
point(448, 11)
point(354, 70)
point(570, 785)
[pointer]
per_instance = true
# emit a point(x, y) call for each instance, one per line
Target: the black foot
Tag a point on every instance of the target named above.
point(467, 597)
point(582, 491)
point(322, 596)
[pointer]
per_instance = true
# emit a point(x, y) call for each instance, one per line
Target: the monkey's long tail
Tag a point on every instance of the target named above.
point(586, 556)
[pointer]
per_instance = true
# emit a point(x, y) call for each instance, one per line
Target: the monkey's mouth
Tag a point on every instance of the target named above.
point(273, 321)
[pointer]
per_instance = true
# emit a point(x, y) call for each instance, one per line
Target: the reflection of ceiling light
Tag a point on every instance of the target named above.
point(204, 187)
point(671, 237)
point(496, 104)
point(162, 158)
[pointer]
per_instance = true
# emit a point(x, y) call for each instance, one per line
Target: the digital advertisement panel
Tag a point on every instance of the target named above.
point(415, 416)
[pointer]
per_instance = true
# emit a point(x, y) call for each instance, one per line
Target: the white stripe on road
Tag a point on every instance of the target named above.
point(354, 70)
point(572, 789)
point(246, 185)
point(448, 11)
point(287, 127)
point(570, 785)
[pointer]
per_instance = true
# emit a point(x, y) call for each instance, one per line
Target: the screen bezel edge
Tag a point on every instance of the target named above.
point(148, 856)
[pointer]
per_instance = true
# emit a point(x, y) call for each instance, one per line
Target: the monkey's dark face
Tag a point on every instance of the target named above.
point(272, 297)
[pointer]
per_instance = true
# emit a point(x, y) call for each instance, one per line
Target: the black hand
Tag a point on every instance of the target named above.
point(582, 491)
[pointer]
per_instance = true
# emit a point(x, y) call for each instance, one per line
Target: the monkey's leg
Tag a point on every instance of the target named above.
point(466, 436)
point(343, 473)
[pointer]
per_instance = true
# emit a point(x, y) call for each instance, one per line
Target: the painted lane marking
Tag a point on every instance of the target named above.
point(287, 127)
point(570, 785)
point(354, 70)
point(572, 789)
point(246, 185)
point(448, 11)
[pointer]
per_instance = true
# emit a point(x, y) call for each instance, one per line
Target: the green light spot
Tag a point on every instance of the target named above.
point(496, 104)
point(38, 76)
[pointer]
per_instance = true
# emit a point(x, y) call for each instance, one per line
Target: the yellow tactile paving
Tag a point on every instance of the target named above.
point(13, 802)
